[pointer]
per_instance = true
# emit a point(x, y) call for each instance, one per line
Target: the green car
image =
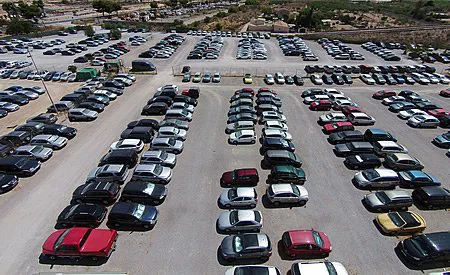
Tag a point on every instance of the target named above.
point(287, 174)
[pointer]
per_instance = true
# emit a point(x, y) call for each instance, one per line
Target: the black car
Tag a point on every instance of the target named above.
point(80, 59)
point(3, 113)
point(113, 90)
point(16, 99)
point(242, 117)
point(362, 161)
point(144, 192)
point(157, 108)
point(185, 99)
point(35, 128)
point(353, 148)
point(241, 109)
point(374, 134)
point(45, 118)
point(268, 100)
point(337, 79)
point(98, 99)
point(19, 166)
point(430, 248)
point(105, 193)
point(444, 121)
point(432, 197)
point(113, 83)
point(93, 106)
point(347, 79)
point(131, 215)
point(345, 136)
point(5, 150)
point(164, 99)
point(128, 157)
point(144, 123)
point(143, 133)
point(298, 80)
point(277, 144)
point(7, 182)
point(48, 76)
point(16, 138)
point(327, 79)
point(59, 130)
point(81, 215)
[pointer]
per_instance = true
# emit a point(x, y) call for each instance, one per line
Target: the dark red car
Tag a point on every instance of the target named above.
point(193, 92)
point(321, 105)
point(438, 112)
point(260, 90)
point(383, 94)
point(346, 110)
point(79, 242)
point(240, 177)
point(445, 93)
point(338, 127)
point(245, 90)
point(306, 243)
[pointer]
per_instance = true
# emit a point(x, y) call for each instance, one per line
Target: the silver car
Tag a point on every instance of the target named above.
point(271, 115)
point(376, 178)
point(287, 193)
point(242, 136)
point(33, 151)
point(128, 143)
point(384, 201)
point(246, 246)
point(239, 125)
point(407, 114)
point(239, 197)
point(276, 133)
point(332, 117)
point(172, 132)
point(240, 221)
point(109, 172)
point(423, 121)
point(170, 145)
point(183, 106)
point(175, 122)
point(50, 141)
point(152, 172)
point(274, 124)
point(159, 157)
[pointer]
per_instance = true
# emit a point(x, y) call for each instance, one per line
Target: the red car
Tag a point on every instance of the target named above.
point(193, 92)
point(260, 90)
point(321, 105)
point(445, 93)
point(80, 242)
point(438, 112)
point(245, 90)
point(306, 243)
point(383, 94)
point(346, 110)
point(338, 127)
point(240, 177)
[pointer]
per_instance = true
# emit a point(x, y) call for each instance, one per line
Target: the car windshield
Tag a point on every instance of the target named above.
point(232, 193)
point(254, 270)
point(158, 170)
point(163, 155)
point(396, 219)
point(382, 197)
point(330, 268)
point(317, 238)
point(370, 174)
point(36, 150)
point(237, 244)
point(149, 188)
point(420, 245)
point(295, 191)
point(171, 142)
point(139, 211)
point(52, 138)
point(238, 134)
point(234, 217)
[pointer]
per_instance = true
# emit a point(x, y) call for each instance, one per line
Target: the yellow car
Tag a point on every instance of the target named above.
point(401, 222)
point(248, 79)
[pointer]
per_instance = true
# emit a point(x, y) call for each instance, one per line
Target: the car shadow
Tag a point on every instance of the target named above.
point(263, 166)
point(377, 226)
point(285, 256)
point(224, 262)
point(72, 261)
point(269, 205)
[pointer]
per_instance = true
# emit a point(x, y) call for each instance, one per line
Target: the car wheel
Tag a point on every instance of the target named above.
point(277, 203)
point(52, 257)
point(252, 205)
point(235, 142)
point(105, 202)
point(302, 203)
point(324, 254)
point(94, 258)
point(227, 206)
point(146, 226)
point(253, 142)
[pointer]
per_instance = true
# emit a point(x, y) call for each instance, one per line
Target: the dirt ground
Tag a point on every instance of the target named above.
point(35, 107)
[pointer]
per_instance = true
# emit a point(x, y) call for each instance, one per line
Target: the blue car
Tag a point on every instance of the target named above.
point(417, 178)
point(442, 141)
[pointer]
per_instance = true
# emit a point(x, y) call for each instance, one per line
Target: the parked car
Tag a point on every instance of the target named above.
point(377, 178)
point(82, 114)
point(318, 267)
point(375, 134)
point(417, 178)
point(287, 193)
point(7, 182)
point(337, 127)
point(297, 243)
point(144, 192)
point(44, 118)
point(103, 192)
point(242, 136)
point(362, 161)
point(430, 248)
point(240, 221)
point(384, 147)
point(281, 157)
point(81, 215)
point(240, 177)
point(131, 215)
point(35, 152)
point(152, 172)
point(432, 197)
point(170, 145)
point(246, 246)
point(238, 197)
point(384, 201)
point(401, 222)
point(50, 141)
point(253, 269)
point(345, 136)
point(353, 148)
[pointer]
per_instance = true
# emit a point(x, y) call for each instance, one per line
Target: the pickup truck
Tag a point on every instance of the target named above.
point(80, 242)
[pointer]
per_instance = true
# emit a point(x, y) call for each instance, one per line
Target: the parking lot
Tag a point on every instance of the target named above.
point(185, 241)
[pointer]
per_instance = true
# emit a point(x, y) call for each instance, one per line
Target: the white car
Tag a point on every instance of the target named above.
point(65, 76)
point(358, 118)
point(275, 124)
point(271, 115)
point(172, 132)
point(170, 86)
point(129, 76)
point(332, 117)
point(182, 105)
point(392, 99)
point(423, 121)
point(242, 136)
point(410, 113)
point(442, 78)
point(279, 78)
point(376, 178)
point(97, 62)
point(420, 79)
point(332, 91)
point(110, 95)
point(318, 268)
point(334, 97)
point(367, 78)
point(269, 79)
point(125, 80)
point(310, 99)
point(128, 143)
point(289, 193)
point(276, 133)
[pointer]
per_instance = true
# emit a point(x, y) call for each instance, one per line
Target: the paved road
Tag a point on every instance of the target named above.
point(185, 241)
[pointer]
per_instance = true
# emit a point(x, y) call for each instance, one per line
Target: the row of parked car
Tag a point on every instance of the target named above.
point(208, 47)
point(384, 53)
point(259, 35)
point(251, 48)
point(87, 101)
point(367, 69)
point(205, 77)
point(24, 149)
point(419, 111)
point(410, 79)
point(164, 48)
point(295, 46)
point(136, 208)
point(13, 97)
point(14, 64)
point(23, 45)
point(338, 79)
point(98, 58)
point(363, 152)
point(339, 50)
point(38, 75)
point(281, 79)
point(285, 187)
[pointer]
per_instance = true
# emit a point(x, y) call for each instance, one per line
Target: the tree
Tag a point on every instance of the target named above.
point(16, 27)
point(29, 11)
point(107, 6)
point(218, 27)
point(88, 31)
point(115, 34)
point(153, 5)
point(11, 9)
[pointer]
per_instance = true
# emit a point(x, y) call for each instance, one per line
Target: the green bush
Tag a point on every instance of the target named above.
point(16, 27)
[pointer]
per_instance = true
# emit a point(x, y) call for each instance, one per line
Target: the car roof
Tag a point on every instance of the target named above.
point(145, 167)
point(247, 132)
point(130, 141)
point(246, 215)
point(246, 172)
point(301, 237)
point(397, 194)
point(440, 241)
point(282, 188)
point(112, 167)
point(435, 191)
point(245, 192)
point(277, 153)
point(386, 172)
point(387, 143)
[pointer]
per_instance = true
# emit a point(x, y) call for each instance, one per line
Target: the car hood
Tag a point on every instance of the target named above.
point(150, 213)
point(227, 177)
point(60, 141)
point(45, 152)
point(166, 173)
point(224, 196)
point(226, 246)
point(372, 200)
point(341, 148)
point(408, 245)
point(224, 220)
point(359, 177)
point(171, 158)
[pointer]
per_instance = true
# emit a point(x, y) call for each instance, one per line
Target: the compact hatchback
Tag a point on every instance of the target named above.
point(237, 197)
point(240, 177)
point(298, 243)
point(287, 193)
point(246, 246)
